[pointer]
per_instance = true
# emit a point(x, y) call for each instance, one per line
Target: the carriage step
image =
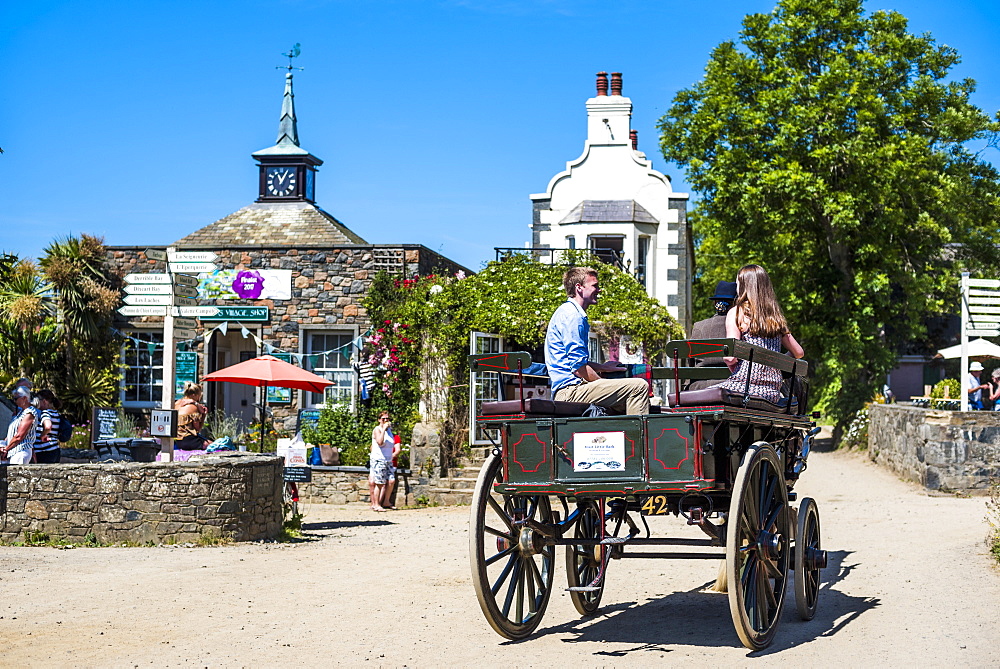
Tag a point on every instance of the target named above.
point(613, 541)
point(584, 588)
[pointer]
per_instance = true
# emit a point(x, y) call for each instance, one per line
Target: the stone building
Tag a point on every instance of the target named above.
point(612, 201)
point(289, 280)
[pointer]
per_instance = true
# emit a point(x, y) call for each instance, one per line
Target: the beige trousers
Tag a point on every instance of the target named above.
point(628, 395)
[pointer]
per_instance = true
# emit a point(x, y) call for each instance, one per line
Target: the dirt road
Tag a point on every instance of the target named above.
point(909, 582)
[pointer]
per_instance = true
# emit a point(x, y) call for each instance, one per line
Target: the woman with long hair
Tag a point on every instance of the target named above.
point(756, 318)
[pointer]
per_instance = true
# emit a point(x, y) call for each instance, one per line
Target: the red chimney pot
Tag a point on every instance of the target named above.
point(602, 83)
point(634, 136)
point(616, 83)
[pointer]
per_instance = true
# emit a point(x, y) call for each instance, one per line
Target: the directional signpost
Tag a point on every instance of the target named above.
point(169, 294)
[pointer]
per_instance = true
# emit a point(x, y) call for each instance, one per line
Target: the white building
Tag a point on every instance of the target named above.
point(612, 201)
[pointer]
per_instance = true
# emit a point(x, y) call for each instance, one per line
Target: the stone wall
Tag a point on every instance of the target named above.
point(237, 496)
point(344, 485)
point(941, 450)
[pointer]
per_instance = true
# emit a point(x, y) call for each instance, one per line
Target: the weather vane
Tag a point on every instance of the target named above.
point(292, 53)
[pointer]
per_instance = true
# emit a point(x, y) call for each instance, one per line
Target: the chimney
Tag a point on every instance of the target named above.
point(616, 83)
point(602, 83)
point(634, 136)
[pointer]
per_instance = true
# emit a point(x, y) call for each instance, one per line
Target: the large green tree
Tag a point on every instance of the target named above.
point(830, 146)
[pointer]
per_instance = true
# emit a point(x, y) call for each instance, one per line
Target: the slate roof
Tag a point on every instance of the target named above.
point(608, 211)
point(274, 224)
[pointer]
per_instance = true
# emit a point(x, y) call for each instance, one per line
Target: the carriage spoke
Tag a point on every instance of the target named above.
point(500, 512)
point(522, 577)
point(502, 578)
point(515, 577)
point(532, 598)
point(498, 533)
point(499, 555)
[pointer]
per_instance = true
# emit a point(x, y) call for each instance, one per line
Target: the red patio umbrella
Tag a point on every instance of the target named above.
point(266, 370)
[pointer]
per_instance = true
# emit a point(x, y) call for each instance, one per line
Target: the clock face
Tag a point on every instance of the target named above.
point(281, 181)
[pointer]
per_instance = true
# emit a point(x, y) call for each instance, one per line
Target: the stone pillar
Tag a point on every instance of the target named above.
point(426, 458)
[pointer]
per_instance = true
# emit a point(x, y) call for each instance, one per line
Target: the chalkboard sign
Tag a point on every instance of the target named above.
point(104, 423)
point(185, 369)
point(308, 419)
point(298, 474)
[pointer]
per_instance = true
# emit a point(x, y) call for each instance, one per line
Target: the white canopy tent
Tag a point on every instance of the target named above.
point(977, 348)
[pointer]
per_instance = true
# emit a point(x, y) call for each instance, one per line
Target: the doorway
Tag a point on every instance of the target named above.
point(233, 399)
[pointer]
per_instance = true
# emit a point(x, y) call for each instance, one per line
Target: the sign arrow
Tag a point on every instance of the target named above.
point(185, 280)
point(196, 311)
point(151, 277)
point(184, 302)
point(192, 256)
point(181, 333)
point(984, 283)
point(185, 323)
point(193, 267)
point(148, 289)
point(156, 254)
point(143, 311)
point(185, 291)
point(164, 300)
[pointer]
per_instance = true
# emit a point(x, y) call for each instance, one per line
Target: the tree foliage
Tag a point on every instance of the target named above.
point(513, 298)
point(829, 146)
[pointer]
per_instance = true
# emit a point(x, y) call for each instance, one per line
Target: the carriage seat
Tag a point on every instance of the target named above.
point(535, 406)
point(717, 395)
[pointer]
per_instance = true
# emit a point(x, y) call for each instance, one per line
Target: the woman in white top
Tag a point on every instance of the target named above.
point(17, 449)
point(382, 475)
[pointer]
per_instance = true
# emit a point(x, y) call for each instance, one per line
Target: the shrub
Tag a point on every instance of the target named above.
point(993, 518)
point(953, 386)
point(343, 430)
point(856, 434)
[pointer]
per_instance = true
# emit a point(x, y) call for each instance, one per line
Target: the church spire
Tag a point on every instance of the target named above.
point(288, 132)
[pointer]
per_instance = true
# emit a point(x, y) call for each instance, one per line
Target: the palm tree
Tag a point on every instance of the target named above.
point(25, 303)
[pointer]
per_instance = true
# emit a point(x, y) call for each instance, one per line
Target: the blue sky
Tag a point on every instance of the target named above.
point(436, 119)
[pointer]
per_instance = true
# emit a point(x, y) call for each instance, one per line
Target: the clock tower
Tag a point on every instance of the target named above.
point(287, 171)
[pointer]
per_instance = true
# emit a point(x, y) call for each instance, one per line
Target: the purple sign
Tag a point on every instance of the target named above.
point(248, 284)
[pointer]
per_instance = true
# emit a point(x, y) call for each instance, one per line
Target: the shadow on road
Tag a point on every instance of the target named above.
point(697, 618)
point(343, 524)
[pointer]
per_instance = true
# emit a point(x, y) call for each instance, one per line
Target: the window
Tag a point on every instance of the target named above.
point(327, 355)
point(483, 386)
point(570, 241)
point(143, 383)
point(640, 261)
point(608, 248)
point(389, 260)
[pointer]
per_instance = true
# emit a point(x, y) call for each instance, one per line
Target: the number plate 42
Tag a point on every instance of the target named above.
point(655, 505)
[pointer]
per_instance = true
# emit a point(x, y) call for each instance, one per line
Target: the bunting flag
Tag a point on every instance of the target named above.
point(223, 327)
point(244, 331)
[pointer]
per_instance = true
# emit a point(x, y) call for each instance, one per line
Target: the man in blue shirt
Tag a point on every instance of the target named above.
point(975, 386)
point(567, 355)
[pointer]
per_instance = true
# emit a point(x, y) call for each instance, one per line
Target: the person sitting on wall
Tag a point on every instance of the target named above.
point(567, 355)
point(975, 387)
point(190, 419)
point(714, 327)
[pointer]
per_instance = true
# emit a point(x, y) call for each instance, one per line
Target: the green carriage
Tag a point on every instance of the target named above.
point(724, 461)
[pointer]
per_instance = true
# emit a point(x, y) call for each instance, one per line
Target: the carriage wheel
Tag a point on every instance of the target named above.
point(583, 563)
point(511, 567)
point(809, 559)
point(757, 546)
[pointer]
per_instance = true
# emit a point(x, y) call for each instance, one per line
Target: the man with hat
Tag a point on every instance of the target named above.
point(714, 328)
point(974, 387)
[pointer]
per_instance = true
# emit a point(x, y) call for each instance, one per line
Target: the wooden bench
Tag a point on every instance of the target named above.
point(794, 389)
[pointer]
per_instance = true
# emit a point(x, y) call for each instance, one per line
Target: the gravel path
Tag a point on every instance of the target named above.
point(909, 582)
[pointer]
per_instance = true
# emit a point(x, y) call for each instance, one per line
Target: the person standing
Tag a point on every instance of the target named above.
point(713, 327)
point(975, 387)
point(17, 449)
point(382, 473)
point(47, 429)
point(567, 353)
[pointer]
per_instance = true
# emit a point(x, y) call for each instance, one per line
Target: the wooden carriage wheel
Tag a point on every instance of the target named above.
point(809, 559)
point(757, 546)
point(511, 567)
point(583, 563)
